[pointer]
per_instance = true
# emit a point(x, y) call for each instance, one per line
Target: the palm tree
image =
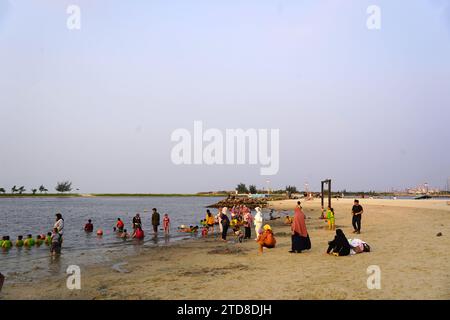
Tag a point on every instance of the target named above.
point(2, 190)
point(65, 186)
point(34, 191)
point(42, 189)
point(22, 190)
point(14, 189)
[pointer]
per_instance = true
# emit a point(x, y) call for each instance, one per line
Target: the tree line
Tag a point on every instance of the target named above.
point(252, 189)
point(62, 187)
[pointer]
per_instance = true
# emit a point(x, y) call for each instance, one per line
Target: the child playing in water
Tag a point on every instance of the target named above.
point(120, 225)
point(166, 224)
point(124, 234)
point(39, 240)
point(89, 227)
point(48, 239)
point(56, 242)
point(19, 241)
point(138, 233)
point(6, 243)
point(29, 241)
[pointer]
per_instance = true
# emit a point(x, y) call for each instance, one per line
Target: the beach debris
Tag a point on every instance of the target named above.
point(230, 202)
point(439, 234)
point(117, 267)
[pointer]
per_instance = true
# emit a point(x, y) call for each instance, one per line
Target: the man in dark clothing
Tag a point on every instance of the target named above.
point(357, 211)
point(155, 220)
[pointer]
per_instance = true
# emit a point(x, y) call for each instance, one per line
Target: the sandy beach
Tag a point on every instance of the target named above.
point(414, 262)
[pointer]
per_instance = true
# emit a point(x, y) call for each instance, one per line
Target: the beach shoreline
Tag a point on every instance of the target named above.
point(413, 262)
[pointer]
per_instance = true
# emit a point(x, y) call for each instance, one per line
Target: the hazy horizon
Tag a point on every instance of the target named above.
point(369, 109)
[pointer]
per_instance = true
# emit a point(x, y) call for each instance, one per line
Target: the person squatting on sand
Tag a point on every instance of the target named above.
point(300, 237)
point(266, 239)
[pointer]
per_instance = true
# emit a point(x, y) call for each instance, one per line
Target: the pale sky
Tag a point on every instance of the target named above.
point(369, 109)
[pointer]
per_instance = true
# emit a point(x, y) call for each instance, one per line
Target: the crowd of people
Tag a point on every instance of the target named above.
point(239, 219)
point(52, 239)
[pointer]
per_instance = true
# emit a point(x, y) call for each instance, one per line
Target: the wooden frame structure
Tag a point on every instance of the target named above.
point(328, 183)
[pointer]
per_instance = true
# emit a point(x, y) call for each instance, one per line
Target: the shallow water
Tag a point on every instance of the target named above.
point(22, 216)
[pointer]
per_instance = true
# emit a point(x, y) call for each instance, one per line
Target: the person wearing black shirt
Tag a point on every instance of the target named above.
point(357, 211)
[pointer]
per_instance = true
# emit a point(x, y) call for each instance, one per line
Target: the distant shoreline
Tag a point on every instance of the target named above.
point(94, 195)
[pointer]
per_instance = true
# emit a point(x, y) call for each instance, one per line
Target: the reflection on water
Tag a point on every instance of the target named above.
point(22, 216)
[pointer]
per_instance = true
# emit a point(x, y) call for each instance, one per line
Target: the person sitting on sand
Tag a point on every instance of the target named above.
point(89, 227)
point(120, 225)
point(19, 241)
point(266, 239)
point(340, 245)
point(29, 241)
point(288, 220)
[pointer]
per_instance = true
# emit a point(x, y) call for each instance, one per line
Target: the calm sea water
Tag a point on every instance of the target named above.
point(22, 216)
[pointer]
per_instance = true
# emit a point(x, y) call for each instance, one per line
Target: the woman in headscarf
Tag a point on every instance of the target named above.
point(59, 226)
point(266, 239)
point(300, 237)
point(225, 223)
point(258, 221)
point(248, 219)
point(340, 245)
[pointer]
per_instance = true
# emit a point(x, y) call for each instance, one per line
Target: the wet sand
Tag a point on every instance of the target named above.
point(414, 262)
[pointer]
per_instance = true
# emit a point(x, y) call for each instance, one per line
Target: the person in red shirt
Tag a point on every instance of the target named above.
point(89, 227)
point(166, 224)
point(120, 225)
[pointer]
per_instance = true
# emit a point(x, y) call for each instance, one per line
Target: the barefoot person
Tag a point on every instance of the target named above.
point(340, 245)
point(300, 237)
point(155, 220)
point(357, 211)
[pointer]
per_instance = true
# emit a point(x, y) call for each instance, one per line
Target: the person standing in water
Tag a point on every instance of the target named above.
point(59, 226)
point(166, 224)
point(155, 220)
point(137, 221)
point(357, 211)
